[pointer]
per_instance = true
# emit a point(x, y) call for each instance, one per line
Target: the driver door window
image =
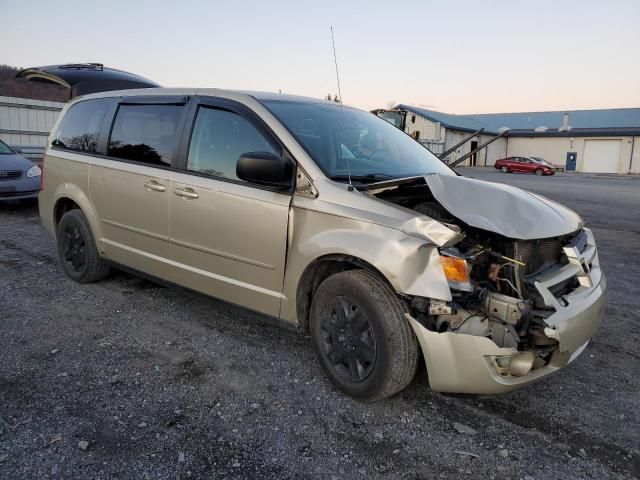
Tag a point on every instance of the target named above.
point(218, 140)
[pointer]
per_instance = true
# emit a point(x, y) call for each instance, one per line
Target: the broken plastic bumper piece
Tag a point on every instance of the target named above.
point(462, 363)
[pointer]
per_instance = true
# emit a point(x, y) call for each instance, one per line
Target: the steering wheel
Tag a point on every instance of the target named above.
point(376, 152)
point(370, 157)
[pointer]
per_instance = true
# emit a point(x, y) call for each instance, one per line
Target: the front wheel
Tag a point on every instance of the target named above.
point(361, 336)
point(539, 172)
point(504, 170)
point(77, 249)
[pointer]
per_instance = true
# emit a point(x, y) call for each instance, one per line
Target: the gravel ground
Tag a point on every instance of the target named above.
point(131, 380)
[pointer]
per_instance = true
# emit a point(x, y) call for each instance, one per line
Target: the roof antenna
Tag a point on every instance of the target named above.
point(335, 60)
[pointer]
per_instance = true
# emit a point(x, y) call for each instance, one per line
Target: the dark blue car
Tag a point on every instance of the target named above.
point(19, 177)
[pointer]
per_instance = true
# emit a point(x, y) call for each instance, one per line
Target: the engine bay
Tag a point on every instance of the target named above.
point(500, 300)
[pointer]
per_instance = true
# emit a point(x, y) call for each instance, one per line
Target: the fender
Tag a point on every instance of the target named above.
point(75, 193)
point(410, 264)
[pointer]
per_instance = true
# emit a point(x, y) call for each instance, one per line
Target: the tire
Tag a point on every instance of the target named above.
point(384, 352)
point(539, 172)
point(504, 170)
point(77, 250)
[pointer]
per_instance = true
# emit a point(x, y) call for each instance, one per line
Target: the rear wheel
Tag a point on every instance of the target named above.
point(77, 249)
point(505, 170)
point(361, 337)
point(539, 171)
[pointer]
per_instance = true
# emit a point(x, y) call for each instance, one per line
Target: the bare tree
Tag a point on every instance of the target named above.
point(390, 104)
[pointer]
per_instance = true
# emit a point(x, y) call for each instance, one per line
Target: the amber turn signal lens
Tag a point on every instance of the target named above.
point(455, 269)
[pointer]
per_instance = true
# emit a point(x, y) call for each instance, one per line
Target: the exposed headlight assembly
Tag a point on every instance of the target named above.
point(457, 272)
point(34, 171)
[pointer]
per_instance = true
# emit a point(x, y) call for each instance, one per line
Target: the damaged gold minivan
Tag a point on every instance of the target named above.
point(329, 219)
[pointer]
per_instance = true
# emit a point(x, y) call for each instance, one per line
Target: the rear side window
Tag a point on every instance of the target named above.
point(145, 133)
point(218, 140)
point(80, 126)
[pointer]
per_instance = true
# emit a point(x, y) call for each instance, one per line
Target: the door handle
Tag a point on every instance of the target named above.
point(153, 185)
point(187, 193)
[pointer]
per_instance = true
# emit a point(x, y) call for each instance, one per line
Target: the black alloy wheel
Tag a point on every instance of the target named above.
point(77, 250)
point(349, 341)
point(361, 336)
point(74, 248)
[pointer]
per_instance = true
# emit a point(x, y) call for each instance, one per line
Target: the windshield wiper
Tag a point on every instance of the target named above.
point(368, 178)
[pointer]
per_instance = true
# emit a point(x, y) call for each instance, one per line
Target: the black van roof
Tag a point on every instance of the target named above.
point(84, 78)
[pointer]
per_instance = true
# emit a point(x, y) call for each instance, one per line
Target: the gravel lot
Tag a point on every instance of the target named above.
point(166, 383)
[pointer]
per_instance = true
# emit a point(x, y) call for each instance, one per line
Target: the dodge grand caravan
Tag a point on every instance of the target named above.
point(329, 219)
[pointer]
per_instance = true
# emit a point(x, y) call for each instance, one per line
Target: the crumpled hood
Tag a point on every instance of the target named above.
point(14, 162)
point(502, 209)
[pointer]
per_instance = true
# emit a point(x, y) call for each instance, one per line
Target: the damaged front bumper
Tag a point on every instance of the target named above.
point(463, 363)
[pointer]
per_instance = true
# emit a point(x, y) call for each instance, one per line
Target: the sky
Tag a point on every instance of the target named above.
point(452, 56)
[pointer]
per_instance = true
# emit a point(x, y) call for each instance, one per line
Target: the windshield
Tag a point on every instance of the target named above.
point(540, 160)
point(5, 149)
point(343, 141)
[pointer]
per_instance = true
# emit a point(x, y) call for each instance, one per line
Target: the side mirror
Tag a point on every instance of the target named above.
point(16, 149)
point(265, 168)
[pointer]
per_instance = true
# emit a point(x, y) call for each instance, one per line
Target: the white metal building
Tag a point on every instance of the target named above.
point(26, 123)
point(590, 141)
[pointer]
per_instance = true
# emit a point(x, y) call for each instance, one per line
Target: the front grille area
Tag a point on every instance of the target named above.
point(537, 254)
point(10, 174)
point(540, 255)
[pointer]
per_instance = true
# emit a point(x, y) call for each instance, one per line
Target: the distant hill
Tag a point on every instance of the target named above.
point(10, 86)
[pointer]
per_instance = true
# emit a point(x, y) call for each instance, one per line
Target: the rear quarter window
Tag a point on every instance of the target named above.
point(80, 126)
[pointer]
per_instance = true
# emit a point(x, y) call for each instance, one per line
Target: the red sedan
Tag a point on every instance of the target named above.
point(524, 165)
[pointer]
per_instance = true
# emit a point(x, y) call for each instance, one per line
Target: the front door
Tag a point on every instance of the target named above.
point(521, 164)
point(529, 165)
point(514, 164)
point(228, 236)
point(572, 158)
point(130, 189)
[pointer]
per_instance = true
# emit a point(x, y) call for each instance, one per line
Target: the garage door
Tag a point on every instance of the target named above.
point(601, 156)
